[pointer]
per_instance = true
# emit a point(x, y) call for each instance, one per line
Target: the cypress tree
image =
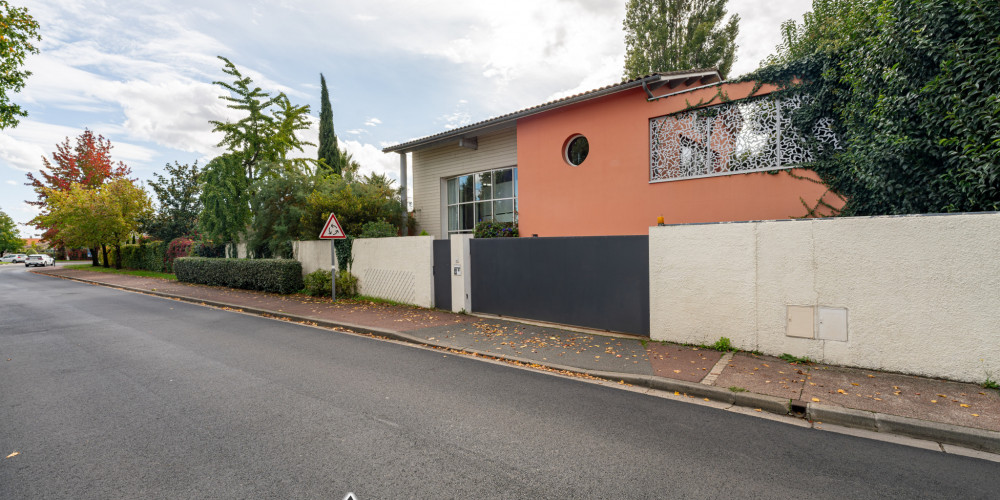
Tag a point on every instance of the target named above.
point(329, 151)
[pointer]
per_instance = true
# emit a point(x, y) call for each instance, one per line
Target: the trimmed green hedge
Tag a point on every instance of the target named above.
point(148, 256)
point(267, 275)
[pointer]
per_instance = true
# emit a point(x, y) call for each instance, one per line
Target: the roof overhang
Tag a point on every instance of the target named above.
point(650, 84)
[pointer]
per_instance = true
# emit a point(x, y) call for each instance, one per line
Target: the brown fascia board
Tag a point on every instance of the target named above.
point(670, 79)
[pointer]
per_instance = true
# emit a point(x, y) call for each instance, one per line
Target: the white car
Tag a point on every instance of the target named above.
point(39, 260)
point(14, 258)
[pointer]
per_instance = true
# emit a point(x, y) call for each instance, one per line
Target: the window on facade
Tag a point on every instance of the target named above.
point(488, 195)
point(577, 150)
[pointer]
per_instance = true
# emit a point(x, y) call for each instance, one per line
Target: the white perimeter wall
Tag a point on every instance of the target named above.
point(399, 269)
point(922, 293)
point(313, 255)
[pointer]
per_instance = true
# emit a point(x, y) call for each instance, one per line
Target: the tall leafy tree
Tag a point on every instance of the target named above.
point(96, 216)
point(911, 86)
point(266, 133)
point(10, 240)
point(671, 35)
point(263, 139)
point(832, 26)
point(17, 32)
point(88, 163)
point(225, 200)
point(330, 156)
point(178, 201)
point(278, 206)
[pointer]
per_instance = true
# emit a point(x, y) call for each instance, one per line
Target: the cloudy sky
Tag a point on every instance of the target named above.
point(141, 73)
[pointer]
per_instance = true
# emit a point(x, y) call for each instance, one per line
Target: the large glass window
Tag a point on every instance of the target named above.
point(487, 195)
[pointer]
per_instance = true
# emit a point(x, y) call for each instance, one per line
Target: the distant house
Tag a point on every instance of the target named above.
point(682, 145)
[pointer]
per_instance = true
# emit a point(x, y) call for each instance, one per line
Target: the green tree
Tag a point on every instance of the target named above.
point(912, 92)
point(330, 156)
point(88, 162)
point(225, 200)
point(17, 32)
point(372, 199)
point(278, 205)
point(266, 134)
point(671, 35)
point(122, 208)
point(832, 26)
point(178, 202)
point(10, 240)
point(97, 217)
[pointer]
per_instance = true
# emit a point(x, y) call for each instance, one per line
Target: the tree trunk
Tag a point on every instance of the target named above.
point(118, 252)
point(93, 256)
point(104, 250)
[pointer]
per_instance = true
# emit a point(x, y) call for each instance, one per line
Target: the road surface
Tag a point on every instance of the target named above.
point(111, 394)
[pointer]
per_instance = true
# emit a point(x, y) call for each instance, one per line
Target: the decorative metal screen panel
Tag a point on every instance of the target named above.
point(741, 136)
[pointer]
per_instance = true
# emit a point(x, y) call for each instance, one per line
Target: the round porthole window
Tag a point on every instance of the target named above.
point(577, 149)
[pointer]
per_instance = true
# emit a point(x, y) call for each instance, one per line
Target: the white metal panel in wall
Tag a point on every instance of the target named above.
point(496, 150)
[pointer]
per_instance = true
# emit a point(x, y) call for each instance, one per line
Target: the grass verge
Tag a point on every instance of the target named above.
point(111, 270)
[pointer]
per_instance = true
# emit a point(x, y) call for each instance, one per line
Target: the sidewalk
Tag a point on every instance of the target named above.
point(949, 413)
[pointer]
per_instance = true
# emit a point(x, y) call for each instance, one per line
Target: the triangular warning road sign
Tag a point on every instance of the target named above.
point(332, 229)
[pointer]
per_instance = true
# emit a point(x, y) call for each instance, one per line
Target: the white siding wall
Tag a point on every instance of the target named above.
point(921, 293)
point(496, 150)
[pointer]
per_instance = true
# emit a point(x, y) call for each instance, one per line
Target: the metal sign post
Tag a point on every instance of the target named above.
point(333, 232)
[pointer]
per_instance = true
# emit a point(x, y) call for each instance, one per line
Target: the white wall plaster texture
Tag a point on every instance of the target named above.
point(313, 255)
point(922, 292)
point(398, 269)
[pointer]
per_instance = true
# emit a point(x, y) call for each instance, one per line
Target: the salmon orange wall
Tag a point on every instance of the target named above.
point(610, 193)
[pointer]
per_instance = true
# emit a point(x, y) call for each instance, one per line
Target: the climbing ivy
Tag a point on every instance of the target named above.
point(913, 87)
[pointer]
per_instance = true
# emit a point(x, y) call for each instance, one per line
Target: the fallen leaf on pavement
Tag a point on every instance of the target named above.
point(975, 414)
point(815, 400)
point(16, 453)
point(963, 405)
point(841, 391)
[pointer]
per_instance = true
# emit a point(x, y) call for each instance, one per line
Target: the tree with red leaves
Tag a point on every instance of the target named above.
point(88, 164)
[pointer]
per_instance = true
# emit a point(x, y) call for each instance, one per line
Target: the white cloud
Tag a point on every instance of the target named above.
point(12, 183)
point(373, 122)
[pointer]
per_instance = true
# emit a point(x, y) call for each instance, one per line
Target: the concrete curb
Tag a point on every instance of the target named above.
point(967, 437)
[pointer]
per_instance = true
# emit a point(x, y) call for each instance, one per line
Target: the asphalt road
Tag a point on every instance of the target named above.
point(110, 394)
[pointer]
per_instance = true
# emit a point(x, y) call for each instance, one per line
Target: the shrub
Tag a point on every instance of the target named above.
point(178, 247)
point(146, 256)
point(347, 285)
point(378, 229)
point(266, 275)
point(496, 229)
point(319, 283)
point(203, 248)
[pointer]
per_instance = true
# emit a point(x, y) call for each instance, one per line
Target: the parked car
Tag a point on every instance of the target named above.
point(15, 258)
point(39, 260)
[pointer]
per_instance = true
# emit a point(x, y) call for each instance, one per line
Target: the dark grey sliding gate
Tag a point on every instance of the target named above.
point(597, 282)
point(442, 274)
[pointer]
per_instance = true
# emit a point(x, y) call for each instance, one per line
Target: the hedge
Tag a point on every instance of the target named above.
point(144, 256)
point(267, 275)
point(147, 256)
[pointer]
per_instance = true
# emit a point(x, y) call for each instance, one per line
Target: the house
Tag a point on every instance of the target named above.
point(683, 145)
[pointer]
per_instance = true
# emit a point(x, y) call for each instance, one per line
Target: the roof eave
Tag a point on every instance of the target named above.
point(510, 120)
